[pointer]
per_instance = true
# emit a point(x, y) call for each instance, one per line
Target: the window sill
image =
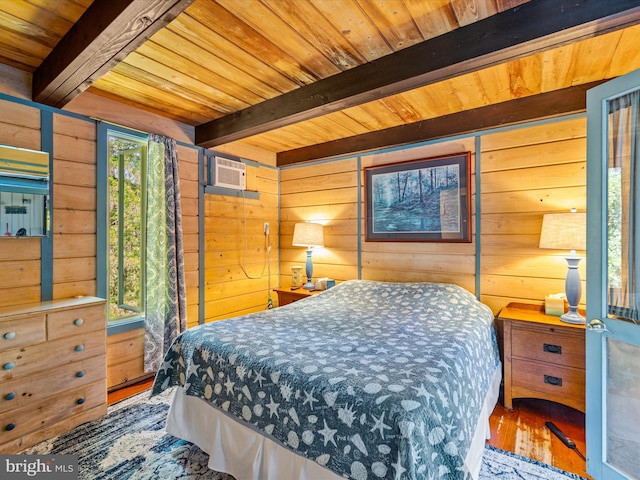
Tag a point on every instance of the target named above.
point(230, 192)
point(121, 326)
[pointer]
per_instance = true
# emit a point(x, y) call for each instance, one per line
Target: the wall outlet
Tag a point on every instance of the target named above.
point(266, 228)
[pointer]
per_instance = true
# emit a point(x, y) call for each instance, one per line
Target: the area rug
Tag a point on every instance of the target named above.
point(130, 443)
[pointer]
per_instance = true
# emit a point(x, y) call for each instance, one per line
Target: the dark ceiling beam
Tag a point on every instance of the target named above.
point(535, 107)
point(105, 34)
point(529, 28)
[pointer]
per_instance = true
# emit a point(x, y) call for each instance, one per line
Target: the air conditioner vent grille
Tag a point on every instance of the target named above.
point(229, 173)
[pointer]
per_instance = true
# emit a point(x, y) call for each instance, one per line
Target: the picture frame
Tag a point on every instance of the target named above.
point(423, 200)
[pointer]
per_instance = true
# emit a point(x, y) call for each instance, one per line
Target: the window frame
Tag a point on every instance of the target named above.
point(105, 131)
point(136, 311)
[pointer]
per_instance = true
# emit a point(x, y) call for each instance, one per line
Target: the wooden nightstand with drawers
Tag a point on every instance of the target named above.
point(287, 295)
point(543, 357)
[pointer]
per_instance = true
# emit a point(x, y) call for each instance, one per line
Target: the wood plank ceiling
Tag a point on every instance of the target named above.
point(313, 78)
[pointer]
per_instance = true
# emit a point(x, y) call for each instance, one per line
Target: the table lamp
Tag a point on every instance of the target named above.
point(567, 231)
point(308, 235)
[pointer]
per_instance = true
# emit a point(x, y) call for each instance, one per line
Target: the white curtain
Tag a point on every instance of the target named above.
point(624, 191)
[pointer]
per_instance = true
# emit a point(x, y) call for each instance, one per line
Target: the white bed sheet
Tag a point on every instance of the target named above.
point(247, 455)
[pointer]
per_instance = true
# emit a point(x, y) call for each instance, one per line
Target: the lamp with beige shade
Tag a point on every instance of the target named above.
point(567, 231)
point(308, 235)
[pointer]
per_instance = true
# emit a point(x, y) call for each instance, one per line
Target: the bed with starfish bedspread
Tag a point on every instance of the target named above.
point(366, 380)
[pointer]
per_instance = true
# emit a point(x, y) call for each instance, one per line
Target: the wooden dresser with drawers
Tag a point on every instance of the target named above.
point(52, 369)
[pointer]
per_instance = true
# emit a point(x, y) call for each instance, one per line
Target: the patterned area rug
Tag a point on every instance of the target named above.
point(130, 443)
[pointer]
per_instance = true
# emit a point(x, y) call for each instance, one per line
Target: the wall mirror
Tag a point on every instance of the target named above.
point(24, 192)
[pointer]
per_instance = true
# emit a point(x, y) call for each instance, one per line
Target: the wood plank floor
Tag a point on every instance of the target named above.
point(521, 431)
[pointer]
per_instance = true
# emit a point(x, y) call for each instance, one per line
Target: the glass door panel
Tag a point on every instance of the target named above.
point(623, 414)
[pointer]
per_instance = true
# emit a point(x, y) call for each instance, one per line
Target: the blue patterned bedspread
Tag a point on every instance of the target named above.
point(370, 379)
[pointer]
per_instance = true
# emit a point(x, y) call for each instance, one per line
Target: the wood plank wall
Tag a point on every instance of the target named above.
point(422, 261)
point(327, 193)
point(74, 227)
point(188, 170)
point(323, 193)
point(19, 257)
point(74, 207)
point(239, 278)
point(525, 172)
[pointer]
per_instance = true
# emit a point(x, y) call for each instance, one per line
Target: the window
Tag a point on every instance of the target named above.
point(127, 164)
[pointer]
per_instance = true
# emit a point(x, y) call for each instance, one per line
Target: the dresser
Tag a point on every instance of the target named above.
point(543, 357)
point(52, 369)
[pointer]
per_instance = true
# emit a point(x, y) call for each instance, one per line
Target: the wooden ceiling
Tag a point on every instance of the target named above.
point(316, 78)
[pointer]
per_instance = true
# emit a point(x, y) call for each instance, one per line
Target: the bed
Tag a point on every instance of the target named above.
point(366, 380)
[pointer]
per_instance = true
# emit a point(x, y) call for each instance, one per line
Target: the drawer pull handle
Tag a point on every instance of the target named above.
point(10, 396)
point(79, 348)
point(78, 321)
point(547, 347)
point(80, 374)
point(557, 381)
point(10, 427)
point(80, 401)
point(9, 366)
point(9, 335)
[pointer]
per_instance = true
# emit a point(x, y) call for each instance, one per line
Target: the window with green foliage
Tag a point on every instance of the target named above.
point(614, 227)
point(126, 204)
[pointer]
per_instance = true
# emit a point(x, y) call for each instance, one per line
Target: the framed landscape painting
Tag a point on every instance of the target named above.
point(425, 200)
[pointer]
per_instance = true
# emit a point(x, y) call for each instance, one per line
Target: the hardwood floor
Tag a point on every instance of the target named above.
point(126, 392)
point(521, 431)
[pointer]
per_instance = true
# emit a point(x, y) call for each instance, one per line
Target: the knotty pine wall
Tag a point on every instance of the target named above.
point(323, 193)
point(74, 229)
point(19, 257)
point(74, 207)
point(189, 207)
point(239, 271)
point(425, 261)
point(74, 211)
point(327, 193)
point(525, 172)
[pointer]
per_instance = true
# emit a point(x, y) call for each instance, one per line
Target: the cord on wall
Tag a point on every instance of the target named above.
point(267, 267)
point(244, 251)
point(269, 299)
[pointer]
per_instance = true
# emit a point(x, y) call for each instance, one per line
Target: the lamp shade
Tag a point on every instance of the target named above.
point(564, 231)
point(308, 235)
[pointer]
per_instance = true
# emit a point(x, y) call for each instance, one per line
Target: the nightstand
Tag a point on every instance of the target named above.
point(286, 295)
point(543, 357)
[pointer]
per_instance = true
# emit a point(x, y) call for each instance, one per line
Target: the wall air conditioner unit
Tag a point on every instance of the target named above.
point(229, 173)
